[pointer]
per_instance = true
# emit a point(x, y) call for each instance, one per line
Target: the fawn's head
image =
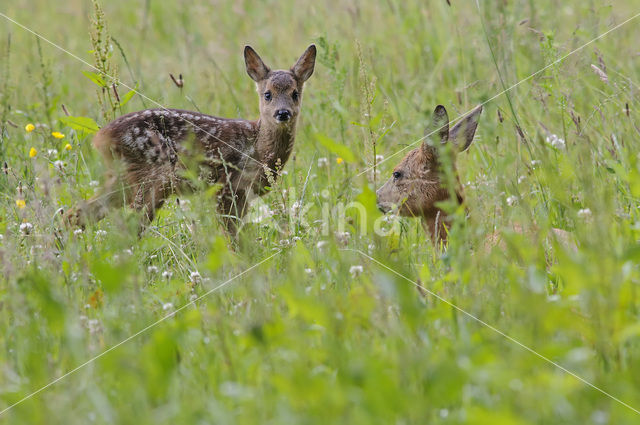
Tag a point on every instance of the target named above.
point(417, 182)
point(280, 91)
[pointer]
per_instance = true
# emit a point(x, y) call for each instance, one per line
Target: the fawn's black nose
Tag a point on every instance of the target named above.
point(283, 115)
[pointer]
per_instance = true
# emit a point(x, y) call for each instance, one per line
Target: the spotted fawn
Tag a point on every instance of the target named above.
point(146, 151)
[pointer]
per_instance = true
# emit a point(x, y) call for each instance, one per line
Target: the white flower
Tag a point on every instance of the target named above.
point(295, 208)
point(284, 173)
point(323, 162)
point(355, 271)
point(511, 200)
point(59, 165)
point(555, 141)
point(101, 233)
point(52, 152)
point(371, 248)
point(195, 277)
point(321, 244)
point(343, 237)
point(93, 325)
point(26, 228)
point(584, 213)
point(379, 158)
point(94, 183)
point(521, 179)
point(152, 269)
point(389, 218)
point(167, 274)
point(535, 162)
point(167, 306)
point(78, 232)
point(308, 270)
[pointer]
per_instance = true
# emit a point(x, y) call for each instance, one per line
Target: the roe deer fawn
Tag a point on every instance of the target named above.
point(417, 182)
point(238, 154)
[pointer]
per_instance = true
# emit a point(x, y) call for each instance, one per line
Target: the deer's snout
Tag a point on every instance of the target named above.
point(282, 115)
point(382, 206)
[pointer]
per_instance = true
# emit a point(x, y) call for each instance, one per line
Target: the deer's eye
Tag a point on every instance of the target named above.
point(295, 95)
point(397, 175)
point(267, 96)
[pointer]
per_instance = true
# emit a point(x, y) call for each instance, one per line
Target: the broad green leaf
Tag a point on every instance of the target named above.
point(336, 148)
point(127, 97)
point(96, 78)
point(84, 125)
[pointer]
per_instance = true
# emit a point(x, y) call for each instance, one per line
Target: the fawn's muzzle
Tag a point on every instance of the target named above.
point(283, 115)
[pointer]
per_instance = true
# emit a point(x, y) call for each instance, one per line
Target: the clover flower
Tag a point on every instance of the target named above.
point(555, 141)
point(584, 213)
point(356, 271)
point(26, 228)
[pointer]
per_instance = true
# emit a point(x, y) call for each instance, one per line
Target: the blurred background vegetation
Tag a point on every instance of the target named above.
point(317, 333)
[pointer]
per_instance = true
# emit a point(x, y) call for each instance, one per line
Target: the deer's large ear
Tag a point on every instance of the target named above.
point(440, 123)
point(304, 67)
point(256, 69)
point(437, 130)
point(462, 133)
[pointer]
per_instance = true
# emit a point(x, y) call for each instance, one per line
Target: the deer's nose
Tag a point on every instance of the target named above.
point(283, 115)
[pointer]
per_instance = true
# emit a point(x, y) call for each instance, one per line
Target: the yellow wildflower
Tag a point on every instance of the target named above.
point(33, 152)
point(20, 203)
point(57, 135)
point(29, 128)
point(339, 160)
point(67, 147)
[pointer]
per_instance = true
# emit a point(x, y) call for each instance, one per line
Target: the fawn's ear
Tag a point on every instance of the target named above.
point(304, 67)
point(462, 133)
point(256, 69)
point(437, 130)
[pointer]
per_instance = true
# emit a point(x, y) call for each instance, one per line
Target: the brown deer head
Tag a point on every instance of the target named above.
point(280, 91)
point(416, 184)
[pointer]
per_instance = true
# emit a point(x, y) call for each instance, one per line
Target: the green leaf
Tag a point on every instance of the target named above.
point(96, 78)
point(83, 125)
point(127, 97)
point(336, 148)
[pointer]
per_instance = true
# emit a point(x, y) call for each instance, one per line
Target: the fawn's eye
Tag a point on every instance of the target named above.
point(295, 95)
point(397, 175)
point(267, 96)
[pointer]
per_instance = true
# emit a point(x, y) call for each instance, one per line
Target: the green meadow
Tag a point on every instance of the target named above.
point(324, 311)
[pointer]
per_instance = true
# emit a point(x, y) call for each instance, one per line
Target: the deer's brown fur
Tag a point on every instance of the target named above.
point(153, 145)
point(416, 186)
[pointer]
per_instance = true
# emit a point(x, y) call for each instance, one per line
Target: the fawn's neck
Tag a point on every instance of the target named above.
point(274, 143)
point(436, 222)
